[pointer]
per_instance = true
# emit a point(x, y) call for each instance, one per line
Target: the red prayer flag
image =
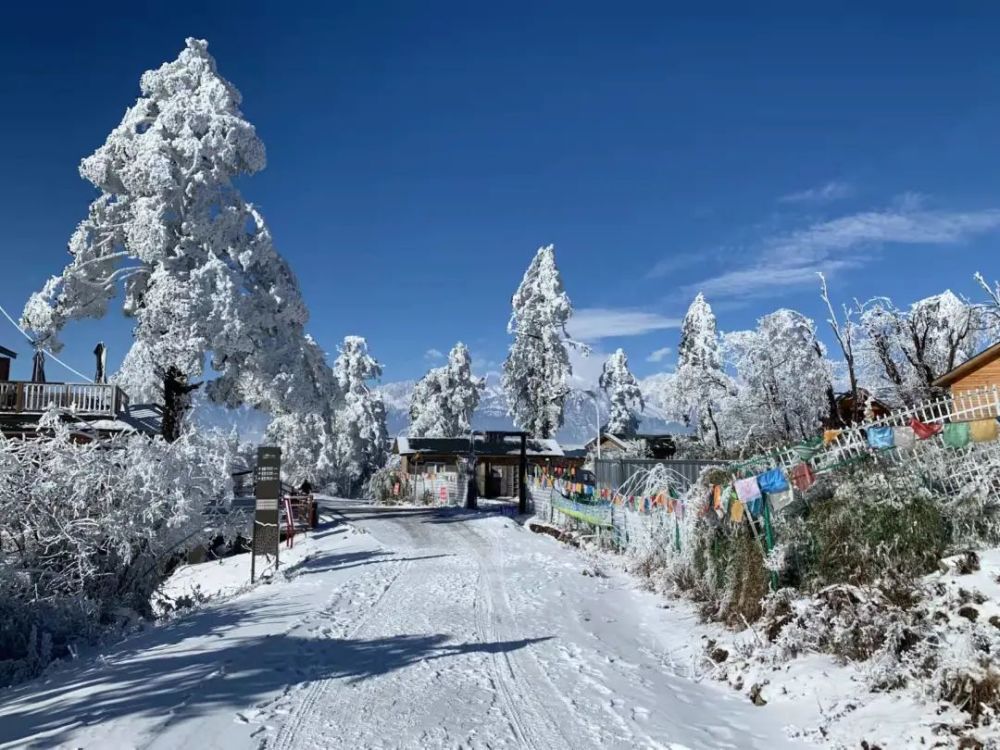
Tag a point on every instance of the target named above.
point(803, 476)
point(924, 431)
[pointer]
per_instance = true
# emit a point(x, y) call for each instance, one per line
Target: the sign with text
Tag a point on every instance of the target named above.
point(267, 490)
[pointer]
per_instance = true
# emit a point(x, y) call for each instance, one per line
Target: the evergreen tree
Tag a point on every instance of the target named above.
point(202, 279)
point(537, 368)
point(700, 383)
point(623, 394)
point(444, 400)
point(359, 422)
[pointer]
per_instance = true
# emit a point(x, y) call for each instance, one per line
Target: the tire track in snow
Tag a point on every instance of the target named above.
point(509, 682)
point(353, 715)
point(301, 716)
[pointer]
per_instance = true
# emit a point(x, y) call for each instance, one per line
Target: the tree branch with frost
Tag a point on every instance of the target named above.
point(844, 334)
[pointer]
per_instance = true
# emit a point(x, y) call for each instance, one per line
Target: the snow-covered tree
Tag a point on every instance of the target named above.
point(991, 309)
point(846, 335)
point(905, 351)
point(537, 369)
point(783, 379)
point(199, 272)
point(90, 528)
point(700, 383)
point(304, 427)
point(623, 393)
point(359, 422)
point(444, 400)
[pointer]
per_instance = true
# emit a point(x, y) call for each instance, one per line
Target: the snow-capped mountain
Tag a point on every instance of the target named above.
point(580, 423)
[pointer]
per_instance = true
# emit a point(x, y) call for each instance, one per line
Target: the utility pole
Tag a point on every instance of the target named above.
point(522, 485)
point(597, 411)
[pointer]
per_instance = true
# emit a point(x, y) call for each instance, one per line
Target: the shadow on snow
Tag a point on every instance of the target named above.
point(177, 685)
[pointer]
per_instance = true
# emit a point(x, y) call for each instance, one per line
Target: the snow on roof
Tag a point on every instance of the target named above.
point(510, 445)
point(109, 425)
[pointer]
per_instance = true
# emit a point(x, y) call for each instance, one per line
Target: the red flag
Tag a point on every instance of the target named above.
point(924, 431)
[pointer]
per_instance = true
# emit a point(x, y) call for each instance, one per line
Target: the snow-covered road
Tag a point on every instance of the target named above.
point(416, 629)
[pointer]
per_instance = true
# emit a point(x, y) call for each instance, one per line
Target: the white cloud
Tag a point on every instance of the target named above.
point(433, 354)
point(827, 193)
point(596, 323)
point(794, 258)
point(672, 263)
point(586, 369)
point(659, 355)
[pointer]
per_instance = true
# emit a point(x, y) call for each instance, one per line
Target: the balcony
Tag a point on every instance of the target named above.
point(85, 399)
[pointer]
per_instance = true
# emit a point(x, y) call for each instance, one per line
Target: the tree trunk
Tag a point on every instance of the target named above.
point(176, 402)
point(715, 427)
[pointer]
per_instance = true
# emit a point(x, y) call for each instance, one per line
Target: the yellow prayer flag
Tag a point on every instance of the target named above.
point(983, 430)
point(736, 511)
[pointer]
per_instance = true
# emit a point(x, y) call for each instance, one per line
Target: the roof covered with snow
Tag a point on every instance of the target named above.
point(509, 445)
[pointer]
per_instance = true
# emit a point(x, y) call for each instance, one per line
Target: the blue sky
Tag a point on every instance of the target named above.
point(420, 153)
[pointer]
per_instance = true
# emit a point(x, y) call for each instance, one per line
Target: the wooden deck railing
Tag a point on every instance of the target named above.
point(84, 398)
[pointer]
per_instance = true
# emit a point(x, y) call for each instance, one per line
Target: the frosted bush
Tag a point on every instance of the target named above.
point(90, 529)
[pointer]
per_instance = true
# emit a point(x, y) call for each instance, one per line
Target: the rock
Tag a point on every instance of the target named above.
point(775, 626)
point(969, 613)
point(995, 621)
point(969, 743)
point(756, 696)
point(719, 655)
point(961, 564)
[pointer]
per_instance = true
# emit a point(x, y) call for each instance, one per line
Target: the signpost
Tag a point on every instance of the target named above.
point(267, 490)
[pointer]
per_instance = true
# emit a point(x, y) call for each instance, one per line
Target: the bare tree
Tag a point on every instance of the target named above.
point(845, 335)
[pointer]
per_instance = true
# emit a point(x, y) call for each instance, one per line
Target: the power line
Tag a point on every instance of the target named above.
point(32, 341)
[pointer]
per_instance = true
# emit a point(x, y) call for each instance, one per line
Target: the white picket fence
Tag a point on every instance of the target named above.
point(952, 469)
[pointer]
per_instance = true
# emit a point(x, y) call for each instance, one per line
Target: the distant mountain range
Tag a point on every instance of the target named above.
point(580, 419)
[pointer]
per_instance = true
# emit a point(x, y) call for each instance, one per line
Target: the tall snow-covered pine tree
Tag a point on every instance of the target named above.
point(700, 382)
point(623, 394)
point(201, 276)
point(361, 434)
point(537, 369)
point(444, 400)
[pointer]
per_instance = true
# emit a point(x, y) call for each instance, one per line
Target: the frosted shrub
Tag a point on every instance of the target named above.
point(388, 485)
point(90, 529)
point(862, 525)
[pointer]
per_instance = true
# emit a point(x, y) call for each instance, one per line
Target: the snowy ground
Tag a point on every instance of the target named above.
point(411, 628)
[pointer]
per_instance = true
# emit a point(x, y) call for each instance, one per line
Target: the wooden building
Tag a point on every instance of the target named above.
point(982, 371)
point(968, 382)
point(6, 355)
point(494, 456)
point(94, 409)
point(617, 446)
point(850, 410)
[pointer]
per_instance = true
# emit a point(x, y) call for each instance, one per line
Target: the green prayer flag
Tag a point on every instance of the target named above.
point(808, 448)
point(956, 434)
